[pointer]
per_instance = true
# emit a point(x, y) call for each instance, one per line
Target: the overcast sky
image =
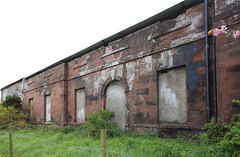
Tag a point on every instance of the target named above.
point(37, 33)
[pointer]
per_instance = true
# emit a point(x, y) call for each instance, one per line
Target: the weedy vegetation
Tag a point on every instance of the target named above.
point(221, 138)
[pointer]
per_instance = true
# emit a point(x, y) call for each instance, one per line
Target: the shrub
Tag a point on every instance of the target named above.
point(13, 101)
point(214, 132)
point(225, 135)
point(100, 120)
point(11, 115)
point(11, 111)
point(231, 140)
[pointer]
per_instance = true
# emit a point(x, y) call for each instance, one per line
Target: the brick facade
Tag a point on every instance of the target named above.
point(136, 60)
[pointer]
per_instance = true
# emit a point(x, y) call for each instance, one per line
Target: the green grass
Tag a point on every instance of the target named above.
point(42, 142)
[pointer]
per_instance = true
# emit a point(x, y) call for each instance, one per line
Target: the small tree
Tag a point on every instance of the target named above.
point(100, 120)
point(13, 101)
point(11, 111)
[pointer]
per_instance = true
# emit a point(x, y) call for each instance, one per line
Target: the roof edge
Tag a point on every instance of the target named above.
point(19, 80)
point(162, 16)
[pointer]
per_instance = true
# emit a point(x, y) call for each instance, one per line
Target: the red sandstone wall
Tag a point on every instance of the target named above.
point(228, 57)
point(50, 82)
point(135, 60)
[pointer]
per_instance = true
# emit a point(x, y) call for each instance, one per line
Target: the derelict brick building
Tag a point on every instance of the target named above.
point(154, 74)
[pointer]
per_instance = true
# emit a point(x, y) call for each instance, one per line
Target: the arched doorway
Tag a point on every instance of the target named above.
point(115, 101)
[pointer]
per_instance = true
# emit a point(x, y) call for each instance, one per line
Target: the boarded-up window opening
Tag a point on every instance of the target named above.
point(48, 108)
point(31, 107)
point(115, 101)
point(80, 105)
point(172, 96)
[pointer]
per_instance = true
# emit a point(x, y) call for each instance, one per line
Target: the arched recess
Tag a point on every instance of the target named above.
point(114, 96)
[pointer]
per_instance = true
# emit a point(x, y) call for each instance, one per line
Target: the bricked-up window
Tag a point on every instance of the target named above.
point(48, 108)
point(172, 96)
point(115, 101)
point(80, 105)
point(31, 107)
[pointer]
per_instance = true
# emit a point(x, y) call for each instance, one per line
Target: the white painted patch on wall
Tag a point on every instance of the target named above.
point(119, 70)
point(149, 37)
point(130, 74)
point(148, 62)
point(172, 96)
point(188, 38)
point(104, 75)
point(116, 62)
point(229, 2)
point(167, 59)
point(140, 54)
point(113, 74)
point(195, 20)
point(170, 59)
point(96, 86)
point(115, 101)
point(16, 89)
point(169, 97)
point(80, 100)
point(48, 108)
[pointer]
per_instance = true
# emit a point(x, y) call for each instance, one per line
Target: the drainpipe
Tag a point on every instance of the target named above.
point(207, 58)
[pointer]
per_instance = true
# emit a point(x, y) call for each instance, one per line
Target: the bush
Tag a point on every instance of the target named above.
point(231, 140)
point(10, 115)
point(100, 120)
point(214, 132)
point(11, 112)
point(13, 101)
point(225, 135)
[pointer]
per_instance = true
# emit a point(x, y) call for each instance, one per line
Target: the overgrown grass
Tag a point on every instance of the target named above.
point(61, 142)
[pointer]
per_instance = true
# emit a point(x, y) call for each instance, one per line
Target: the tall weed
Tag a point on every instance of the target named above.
point(225, 136)
point(100, 120)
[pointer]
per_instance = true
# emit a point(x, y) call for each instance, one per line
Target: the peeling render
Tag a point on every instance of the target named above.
point(15, 89)
point(148, 63)
point(48, 108)
point(130, 74)
point(172, 96)
point(195, 20)
point(115, 101)
point(80, 105)
point(188, 38)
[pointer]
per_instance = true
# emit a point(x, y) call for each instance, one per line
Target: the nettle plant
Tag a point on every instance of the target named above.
point(223, 31)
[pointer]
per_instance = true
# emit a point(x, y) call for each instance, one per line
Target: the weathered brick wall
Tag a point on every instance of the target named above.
point(227, 12)
point(50, 82)
point(15, 88)
point(136, 60)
